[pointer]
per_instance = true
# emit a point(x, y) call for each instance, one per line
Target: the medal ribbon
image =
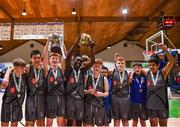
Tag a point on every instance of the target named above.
point(154, 79)
point(37, 74)
point(76, 75)
point(18, 85)
point(93, 81)
point(141, 82)
point(121, 77)
point(54, 73)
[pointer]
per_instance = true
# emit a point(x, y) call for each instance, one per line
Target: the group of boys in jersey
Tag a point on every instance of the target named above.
point(80, 91)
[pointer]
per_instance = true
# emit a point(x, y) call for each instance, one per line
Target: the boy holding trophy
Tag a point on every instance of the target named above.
point(55, 92)
point(75, 72)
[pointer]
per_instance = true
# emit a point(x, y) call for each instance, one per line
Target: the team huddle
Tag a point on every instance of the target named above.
point(80, 91)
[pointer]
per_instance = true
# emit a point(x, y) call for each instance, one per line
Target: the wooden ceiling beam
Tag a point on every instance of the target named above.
point(88, 19)
point(6, 13)
point(113, 19)
point(121, 19)
point(53, 19)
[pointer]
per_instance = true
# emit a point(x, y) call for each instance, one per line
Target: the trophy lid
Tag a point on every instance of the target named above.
point(54, 37)
point(55, 43)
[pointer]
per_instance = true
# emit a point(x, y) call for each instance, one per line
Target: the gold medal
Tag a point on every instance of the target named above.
point(36, 85)
point(55, 82)
point(140, 90)
point(18, 95)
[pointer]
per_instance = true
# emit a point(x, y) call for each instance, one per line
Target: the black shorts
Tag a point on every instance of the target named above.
point(74, 108)
point(107, 117)
point(138, 111)
point(35, 108)
point(55, 106)
point(161, 114)
point(94, 115)
point(11, 112)
point(120, 108)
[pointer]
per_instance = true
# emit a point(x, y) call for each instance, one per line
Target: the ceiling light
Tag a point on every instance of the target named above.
point(124, 11)
point(24, 9)
point(108, 47)
point(73, 11)
point(24, 12)
point(1, 47)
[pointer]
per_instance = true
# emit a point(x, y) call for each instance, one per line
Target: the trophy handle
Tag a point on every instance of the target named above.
point(62, 46)
point(64, 51)
point(49, 38)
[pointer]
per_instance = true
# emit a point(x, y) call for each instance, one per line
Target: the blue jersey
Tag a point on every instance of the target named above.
point(162, 64)
point(138, 89)
point(107, 100)
point(1, 80)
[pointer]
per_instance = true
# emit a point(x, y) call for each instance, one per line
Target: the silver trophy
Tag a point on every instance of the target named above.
point(85, 40)
point(56, 44)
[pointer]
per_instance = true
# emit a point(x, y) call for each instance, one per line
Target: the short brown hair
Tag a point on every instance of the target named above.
point(54, 54)
point(116, 55)
point(120, 58)
point(98, 61)
point(136, 64)
point(19, 62)
point(85, 57)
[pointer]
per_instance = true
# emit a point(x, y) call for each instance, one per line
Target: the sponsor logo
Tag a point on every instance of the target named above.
point(114, 82)
point(90, 87)
point(12, 90)
point(51, 79)
point(33, 81)
point(72, 80)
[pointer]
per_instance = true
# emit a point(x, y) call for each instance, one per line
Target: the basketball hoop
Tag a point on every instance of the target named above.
point(153, 41)
point(152, 44)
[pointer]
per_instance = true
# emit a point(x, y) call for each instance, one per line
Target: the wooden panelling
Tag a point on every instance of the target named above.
point(102, 19)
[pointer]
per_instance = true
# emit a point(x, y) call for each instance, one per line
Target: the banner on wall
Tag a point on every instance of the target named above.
point(26, 31)
point(5, 31)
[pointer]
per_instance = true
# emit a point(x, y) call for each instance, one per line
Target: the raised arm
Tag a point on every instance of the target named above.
point(92, 55)
point(64, 50)
point(69, 54)
point(64, 57)
point(45, 58)
point(170, 63)
point(75, 45)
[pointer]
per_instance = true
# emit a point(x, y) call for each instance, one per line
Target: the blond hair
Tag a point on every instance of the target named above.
point(98, 61)
point(54, 54)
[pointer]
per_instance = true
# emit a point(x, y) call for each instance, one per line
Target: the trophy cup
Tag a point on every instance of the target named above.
point(85, 40)
point(56, 44)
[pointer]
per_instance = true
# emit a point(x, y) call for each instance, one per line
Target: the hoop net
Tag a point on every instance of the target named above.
point(147, 54)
